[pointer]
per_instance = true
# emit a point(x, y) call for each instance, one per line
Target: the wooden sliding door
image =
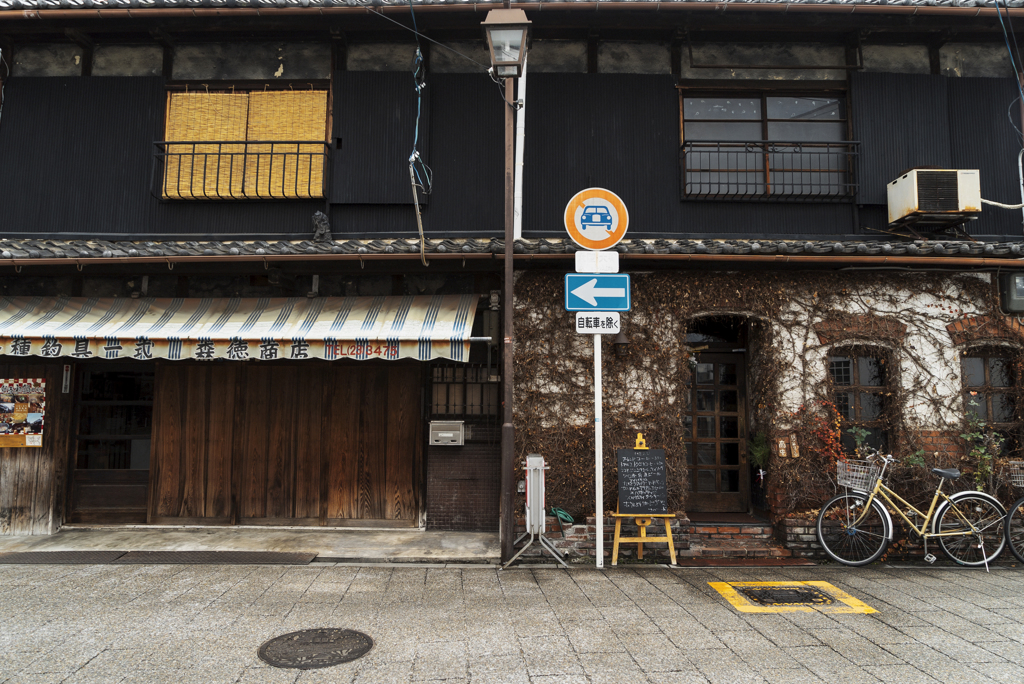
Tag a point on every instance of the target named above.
point(309, 443)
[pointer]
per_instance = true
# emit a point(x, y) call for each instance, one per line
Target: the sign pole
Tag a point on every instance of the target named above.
point(598, 456)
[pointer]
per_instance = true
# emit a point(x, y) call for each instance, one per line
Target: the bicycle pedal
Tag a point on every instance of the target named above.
point(930, 558)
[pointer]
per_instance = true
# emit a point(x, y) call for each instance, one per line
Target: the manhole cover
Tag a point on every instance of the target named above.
point(786, 596)
point(310, 649)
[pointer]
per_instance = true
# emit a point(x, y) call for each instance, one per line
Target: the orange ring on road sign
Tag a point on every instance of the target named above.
point(577, 202)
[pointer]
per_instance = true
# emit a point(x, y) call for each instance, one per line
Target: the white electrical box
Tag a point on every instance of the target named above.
point(935, 197)
point(447, 433)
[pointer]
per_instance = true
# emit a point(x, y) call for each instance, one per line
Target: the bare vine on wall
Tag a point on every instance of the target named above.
point(902, 315)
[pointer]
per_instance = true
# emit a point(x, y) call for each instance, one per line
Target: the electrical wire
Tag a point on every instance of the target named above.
point(1014, 61)
point(1009, 116)
point(420, 175)
point(374, 10)
point(3, 83)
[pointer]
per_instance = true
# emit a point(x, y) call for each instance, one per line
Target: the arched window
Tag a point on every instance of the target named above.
point(860, 379)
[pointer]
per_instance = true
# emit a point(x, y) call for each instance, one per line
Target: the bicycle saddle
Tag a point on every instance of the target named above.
point(948, 473)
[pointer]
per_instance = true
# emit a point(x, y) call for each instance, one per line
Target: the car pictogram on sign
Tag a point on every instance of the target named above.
point(598, 217)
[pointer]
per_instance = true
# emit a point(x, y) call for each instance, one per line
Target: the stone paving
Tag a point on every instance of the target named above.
point(203, 624)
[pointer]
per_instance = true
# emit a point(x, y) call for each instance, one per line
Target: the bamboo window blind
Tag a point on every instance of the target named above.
point(258, 145)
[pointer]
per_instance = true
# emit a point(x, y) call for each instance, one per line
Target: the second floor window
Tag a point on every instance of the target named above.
point(768, 146)
point(257, 145)
point(859, 384)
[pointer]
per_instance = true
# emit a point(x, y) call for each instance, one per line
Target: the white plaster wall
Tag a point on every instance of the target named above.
point(252, 61)
point(804, 56)
point(634, 57)
point(554, 56)
point(974, 60)
point(472, 57)
point(896, 59)
point(928, 362)
point(127, 60)
point(380, 56)
point(53, 59)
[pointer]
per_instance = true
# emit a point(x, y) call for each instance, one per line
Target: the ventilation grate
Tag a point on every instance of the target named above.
point(937, 191)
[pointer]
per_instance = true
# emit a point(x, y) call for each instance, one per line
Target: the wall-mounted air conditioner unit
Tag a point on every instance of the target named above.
point(935, 197)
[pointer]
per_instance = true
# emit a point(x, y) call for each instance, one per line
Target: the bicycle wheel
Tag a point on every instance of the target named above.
point(1015, 529)
point(851, 535)
point(984, 515)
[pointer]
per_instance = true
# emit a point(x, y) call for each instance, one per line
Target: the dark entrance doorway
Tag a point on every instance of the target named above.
point(717, 418)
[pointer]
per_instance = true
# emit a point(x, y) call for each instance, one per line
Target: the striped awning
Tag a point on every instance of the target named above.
point(422, 328)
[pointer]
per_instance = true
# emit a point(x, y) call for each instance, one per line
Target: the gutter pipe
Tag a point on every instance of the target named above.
point(200, 12)
point(638, 259)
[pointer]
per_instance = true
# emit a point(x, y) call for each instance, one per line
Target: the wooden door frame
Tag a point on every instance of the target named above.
point(723, 353)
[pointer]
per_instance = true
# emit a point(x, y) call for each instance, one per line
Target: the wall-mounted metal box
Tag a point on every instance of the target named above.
point(447, 433)
point(1011, 291)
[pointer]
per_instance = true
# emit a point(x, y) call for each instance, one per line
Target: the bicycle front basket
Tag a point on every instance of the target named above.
point(1017, 473)
point(856, 474)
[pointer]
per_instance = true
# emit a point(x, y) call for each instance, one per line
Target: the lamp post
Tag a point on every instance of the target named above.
point(507, 32)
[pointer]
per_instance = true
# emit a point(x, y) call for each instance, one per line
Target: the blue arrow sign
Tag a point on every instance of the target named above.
point(597, 292)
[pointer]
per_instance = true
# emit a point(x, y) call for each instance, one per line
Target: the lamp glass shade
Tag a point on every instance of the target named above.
point(507, 33)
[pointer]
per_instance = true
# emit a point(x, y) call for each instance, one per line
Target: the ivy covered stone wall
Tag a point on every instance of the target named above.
point(796, 320)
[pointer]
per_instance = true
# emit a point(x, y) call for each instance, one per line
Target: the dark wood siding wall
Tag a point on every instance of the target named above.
point(909, 120)
point(621, 132)
point(312, 443)
point(84, 147)
point(33, 479)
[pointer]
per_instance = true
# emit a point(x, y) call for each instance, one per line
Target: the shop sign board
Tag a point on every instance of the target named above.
point(597, 292)
point(603, 323)
point(596, 219)
point(22, 408)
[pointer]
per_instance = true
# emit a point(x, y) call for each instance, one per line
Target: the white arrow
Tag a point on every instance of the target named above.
point(589, 293)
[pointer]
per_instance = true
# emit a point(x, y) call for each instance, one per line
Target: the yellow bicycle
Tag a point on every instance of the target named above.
point(854, 528)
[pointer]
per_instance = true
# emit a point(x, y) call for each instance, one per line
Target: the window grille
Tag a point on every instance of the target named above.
point(463, 392)
point(766, 146)
point(258, 145)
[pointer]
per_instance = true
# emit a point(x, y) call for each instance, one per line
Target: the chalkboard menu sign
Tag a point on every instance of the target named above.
point(642, 481)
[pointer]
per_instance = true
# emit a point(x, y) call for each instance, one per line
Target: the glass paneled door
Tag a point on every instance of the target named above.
point(716, 423)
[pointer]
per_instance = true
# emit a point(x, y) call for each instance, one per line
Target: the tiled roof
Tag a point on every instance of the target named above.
point(85, 250)
point(270, 4)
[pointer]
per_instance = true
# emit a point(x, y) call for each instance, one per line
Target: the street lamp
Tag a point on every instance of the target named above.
point(507, 31)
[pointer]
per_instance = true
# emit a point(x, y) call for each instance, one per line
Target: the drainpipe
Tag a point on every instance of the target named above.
point(517, 226)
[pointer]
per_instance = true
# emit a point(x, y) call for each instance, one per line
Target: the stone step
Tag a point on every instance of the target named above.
point(730, 548)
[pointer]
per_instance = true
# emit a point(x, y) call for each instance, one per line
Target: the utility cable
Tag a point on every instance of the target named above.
point(420, 175)
point(373, 10)
point(1014, 61)
point(3, 83)
point(1001, 205)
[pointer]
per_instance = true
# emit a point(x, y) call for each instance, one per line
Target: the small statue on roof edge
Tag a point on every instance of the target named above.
point(321, 228)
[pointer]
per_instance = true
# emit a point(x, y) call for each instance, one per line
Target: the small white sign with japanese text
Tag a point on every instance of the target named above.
point(598, 322)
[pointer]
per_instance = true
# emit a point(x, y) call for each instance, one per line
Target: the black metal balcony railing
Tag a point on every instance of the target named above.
point(769, 170)
point(235, 170)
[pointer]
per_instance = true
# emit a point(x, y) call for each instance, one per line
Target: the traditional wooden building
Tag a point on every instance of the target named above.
point(255, 249)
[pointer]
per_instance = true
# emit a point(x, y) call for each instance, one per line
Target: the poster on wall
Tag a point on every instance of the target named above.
point(22, 407)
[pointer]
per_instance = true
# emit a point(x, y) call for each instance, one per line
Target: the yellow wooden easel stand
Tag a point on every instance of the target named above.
point(642, 521)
